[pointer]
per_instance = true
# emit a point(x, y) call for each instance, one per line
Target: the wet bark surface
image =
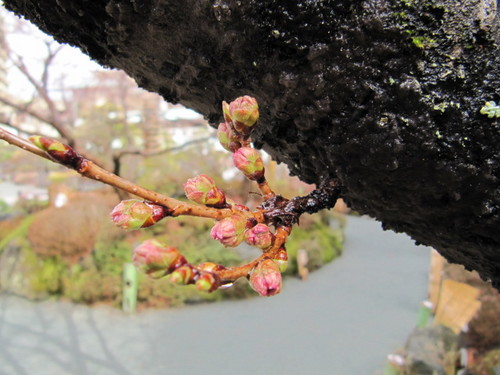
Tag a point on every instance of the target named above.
point(382, 96)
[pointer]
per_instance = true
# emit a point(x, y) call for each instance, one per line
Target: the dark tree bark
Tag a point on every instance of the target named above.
point(381, 95)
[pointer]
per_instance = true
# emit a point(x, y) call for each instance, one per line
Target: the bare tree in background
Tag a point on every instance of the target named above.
point(41, 107)
point(94, 119)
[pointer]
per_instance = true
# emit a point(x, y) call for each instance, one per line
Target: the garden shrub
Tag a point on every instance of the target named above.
point(78, 226)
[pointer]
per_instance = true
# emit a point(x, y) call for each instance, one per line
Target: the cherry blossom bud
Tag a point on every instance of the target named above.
point(244, 110)
point(248, 161)
point(60, 152)
point(259, 236)
point(281, 259)
point(201, 189)
point(134, 214)
point(265, 278)
point(230, 230)
point(182, 275)
point(207, 282)
point(157, 260)
point(227, 137)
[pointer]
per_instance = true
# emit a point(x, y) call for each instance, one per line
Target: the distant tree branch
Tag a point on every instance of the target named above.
point(24, 108)
point(119, 155)
point(6, 120)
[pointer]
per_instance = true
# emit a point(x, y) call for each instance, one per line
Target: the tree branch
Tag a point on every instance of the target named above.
point(22, 108)
point(91, 170)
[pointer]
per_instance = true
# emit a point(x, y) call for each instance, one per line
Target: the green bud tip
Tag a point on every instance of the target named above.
point(248, 161)
point(202, 190)
point(244, 111)
point(207, 282)
point(228, 137)
point(182, 275)
point(133, 214)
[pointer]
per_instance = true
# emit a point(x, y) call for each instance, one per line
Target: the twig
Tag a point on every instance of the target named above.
point(91, 170)
point(22, 143)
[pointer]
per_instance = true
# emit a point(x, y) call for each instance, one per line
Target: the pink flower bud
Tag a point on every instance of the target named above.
point(207, 282)
point(259, 236)
point(248, 160)
point(229, 231)
point(60, 152)
point(244, 110)
point(265, 278)
point(134, 214)
point(182, 275)
point(227, 137)
point(157, 260)
point(201, 189)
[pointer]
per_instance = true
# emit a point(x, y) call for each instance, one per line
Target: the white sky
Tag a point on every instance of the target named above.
point(70, 66)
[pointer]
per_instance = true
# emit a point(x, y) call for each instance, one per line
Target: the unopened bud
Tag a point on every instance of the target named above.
point(265, 278)
point(230, 230)
point(248, 161)
point(244, 111)
point(134, 214)
point(157, 260)
point(201, 189)
point(259, 236)
point(207, 282)
point(60, 152)
point(182, 275)
point(210, 266)
point(281, 259)
point(227, 137)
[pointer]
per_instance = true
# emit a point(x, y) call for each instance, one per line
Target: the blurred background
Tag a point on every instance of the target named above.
point(58, 244)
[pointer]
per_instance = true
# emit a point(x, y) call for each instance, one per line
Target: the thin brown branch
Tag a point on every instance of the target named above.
point(91, 170)
point(265, 189)
point(22, 143)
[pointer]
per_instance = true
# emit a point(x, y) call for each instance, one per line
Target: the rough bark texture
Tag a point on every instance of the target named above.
point(383, 95)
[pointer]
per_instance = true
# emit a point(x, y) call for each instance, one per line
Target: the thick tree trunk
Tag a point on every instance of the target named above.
point(384, 96)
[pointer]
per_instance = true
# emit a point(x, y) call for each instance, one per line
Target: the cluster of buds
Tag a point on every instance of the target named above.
point(158, 260)
point(240, 116)
point(232, 230)
point(236, 225)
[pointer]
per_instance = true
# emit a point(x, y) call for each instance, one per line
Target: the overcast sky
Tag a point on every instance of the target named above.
point(71, 65)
